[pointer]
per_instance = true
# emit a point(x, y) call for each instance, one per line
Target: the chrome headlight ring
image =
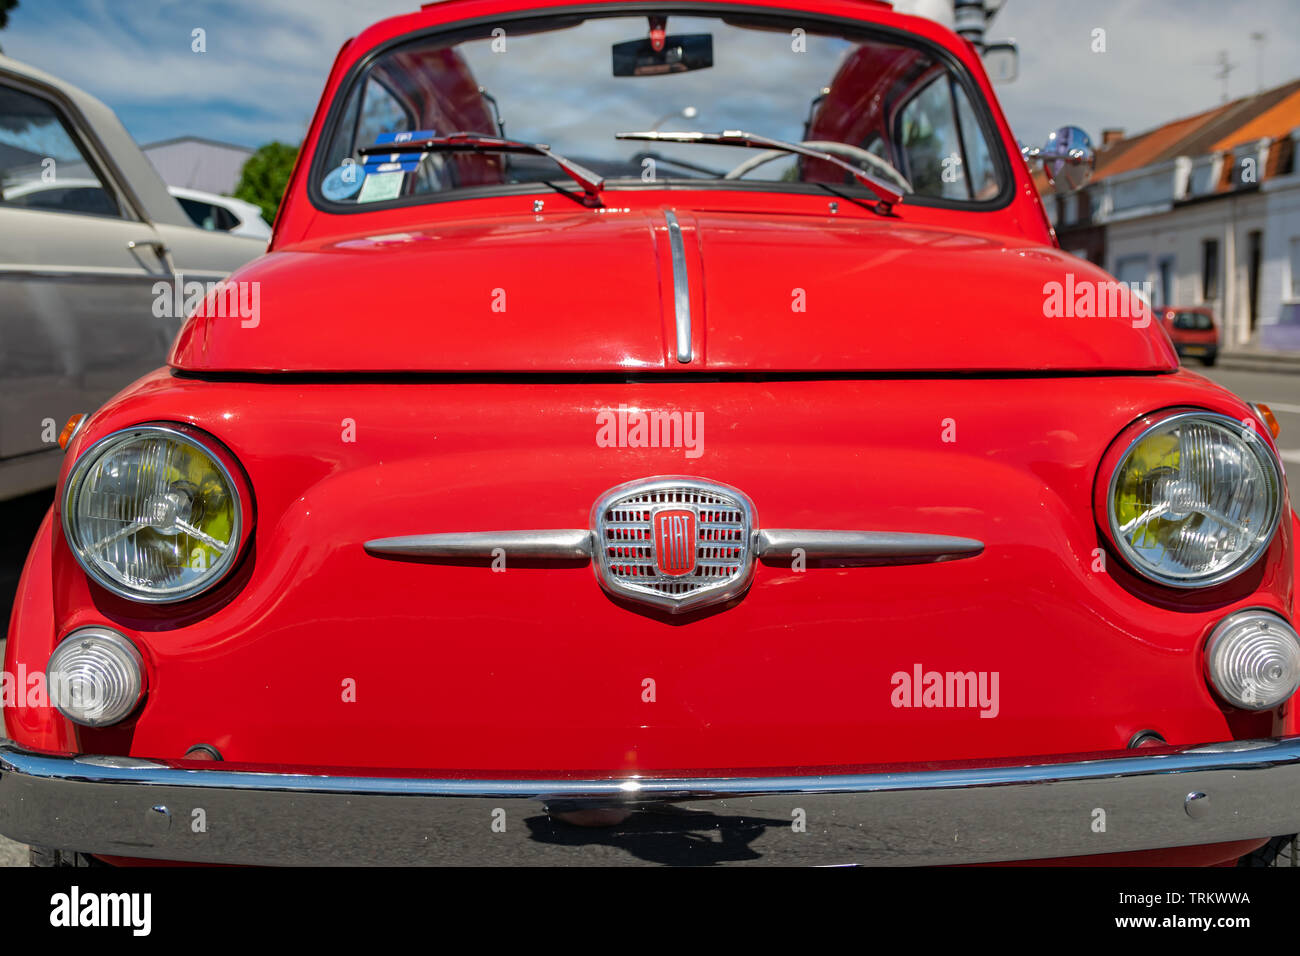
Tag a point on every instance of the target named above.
point(130, 515)
point(1206, 502)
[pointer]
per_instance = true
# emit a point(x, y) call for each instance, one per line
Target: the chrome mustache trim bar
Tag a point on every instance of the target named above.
point(565, 543)
point(1012, 809)
point(778, 543)
point(772, 543)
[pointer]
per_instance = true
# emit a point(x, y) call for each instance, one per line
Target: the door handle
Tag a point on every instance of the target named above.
point(159, 248)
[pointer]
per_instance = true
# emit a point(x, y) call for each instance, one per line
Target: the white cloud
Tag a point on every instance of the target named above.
point(267, 60)
point(260, 78)
point(1159, 63)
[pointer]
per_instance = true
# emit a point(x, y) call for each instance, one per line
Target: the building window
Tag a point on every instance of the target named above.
point(1295, 267)
point(1071, 204)
point(1165, 281)
point(1209, 270)
point(1135, 272)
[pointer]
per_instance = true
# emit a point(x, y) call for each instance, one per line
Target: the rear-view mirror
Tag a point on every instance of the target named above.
point(680, 54)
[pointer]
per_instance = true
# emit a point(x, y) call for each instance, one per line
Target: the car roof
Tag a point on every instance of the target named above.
point(451, 11)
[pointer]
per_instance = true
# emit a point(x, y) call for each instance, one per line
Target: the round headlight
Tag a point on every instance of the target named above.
point(1194, 499)
point(95, 676)
point(153, 514)
point(1254, 660)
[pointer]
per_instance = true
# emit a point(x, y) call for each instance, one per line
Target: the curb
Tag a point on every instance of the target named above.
point(1251, 363)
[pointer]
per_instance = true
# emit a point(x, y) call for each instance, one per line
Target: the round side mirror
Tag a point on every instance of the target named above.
point(1068, 159)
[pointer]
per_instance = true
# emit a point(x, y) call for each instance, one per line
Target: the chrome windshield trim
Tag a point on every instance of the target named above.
point(681, 288)
point(559, 543)
point(782, 543)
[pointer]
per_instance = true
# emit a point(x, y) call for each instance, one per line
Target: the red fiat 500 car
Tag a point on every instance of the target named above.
point(664, 433)
point(1193, 331)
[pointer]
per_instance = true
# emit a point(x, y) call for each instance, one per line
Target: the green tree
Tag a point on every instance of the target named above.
point(265, 176)
point(6, 6)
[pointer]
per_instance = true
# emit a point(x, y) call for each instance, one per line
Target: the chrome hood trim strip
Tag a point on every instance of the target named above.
point(681, 288)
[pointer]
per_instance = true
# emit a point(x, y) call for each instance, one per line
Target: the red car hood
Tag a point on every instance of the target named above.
point(587, 292)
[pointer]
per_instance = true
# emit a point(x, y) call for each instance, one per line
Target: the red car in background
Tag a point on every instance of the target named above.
point(1193, 330)
point(595, 485)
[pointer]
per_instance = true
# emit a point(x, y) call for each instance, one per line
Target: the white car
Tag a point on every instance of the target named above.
point(88, 235)
point(206, 210)
point(222, 213)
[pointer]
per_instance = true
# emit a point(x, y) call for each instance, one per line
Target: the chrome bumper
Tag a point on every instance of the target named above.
point(1033, 809)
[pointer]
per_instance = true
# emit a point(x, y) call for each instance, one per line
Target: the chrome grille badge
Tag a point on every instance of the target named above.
point(673, 542)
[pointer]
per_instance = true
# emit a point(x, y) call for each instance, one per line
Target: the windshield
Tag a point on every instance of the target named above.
point(891, 110)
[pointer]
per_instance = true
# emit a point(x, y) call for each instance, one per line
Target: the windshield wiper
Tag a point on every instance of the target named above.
point(661, 158)
point(887, 194)
point(591, 183)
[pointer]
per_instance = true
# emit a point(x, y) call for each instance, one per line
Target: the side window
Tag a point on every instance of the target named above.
point(982, 176)
point(383, 112)
point(41, 166)
point(202, 214)
point(226, 220)
point(943, 145)
point(932, 145)
point(380, 113)
point(875, 145)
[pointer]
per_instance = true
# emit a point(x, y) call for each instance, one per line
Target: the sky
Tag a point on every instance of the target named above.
point(266, 60)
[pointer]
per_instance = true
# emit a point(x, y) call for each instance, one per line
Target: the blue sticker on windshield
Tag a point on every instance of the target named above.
point(344, 182)
point(384, 139)
point(392, 163)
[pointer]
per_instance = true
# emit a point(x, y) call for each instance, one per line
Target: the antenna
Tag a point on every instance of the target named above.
point(1224, 69)
point(1259, 38)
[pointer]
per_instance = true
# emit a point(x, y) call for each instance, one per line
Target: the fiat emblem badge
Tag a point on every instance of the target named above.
point(674, 531)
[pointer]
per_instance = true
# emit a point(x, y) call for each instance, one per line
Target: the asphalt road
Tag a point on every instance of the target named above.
point(11, 853)
point(19, 518)
point(1280, 391)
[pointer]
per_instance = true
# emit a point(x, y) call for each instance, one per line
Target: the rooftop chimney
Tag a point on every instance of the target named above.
point(1112, 135)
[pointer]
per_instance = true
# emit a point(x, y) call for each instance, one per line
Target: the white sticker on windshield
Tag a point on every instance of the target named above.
point(381, 186)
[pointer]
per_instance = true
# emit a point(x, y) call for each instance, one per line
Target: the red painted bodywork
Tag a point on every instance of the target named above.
point(869, 296)
point(861, 413)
